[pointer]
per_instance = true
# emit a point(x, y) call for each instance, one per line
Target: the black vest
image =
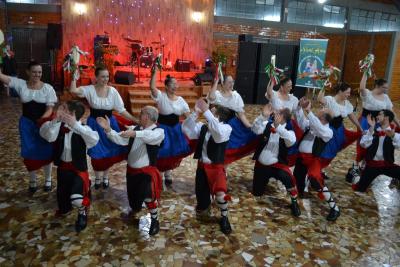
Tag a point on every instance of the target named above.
point(318, 145)
point(78, 150)
point(388, 149)
point(33, 110)
point(215, 151)
point(152, 150)
point(283, 150)
point(170, 119)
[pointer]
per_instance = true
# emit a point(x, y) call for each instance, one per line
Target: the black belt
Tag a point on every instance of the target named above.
point(95, 113)
point(33, 110)
point(170, 120)
point(336, 122)
point(366, 112)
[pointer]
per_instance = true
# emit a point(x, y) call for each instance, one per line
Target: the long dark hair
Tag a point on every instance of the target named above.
point(380, 82)
point(32, 63)
point(341, 87)
point(168, 80)
point(98, 69)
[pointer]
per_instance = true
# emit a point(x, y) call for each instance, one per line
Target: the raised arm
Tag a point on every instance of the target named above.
point(211, 94)
point(261, 121)
point(368, 136)
point(190, 128)
point(325, 133)
point(363, 85)
point(270, 89)
point(5, 78)
point(220, 132)
point(78, 91)
point(321, 97)
point(153, 88)
point(49, 130)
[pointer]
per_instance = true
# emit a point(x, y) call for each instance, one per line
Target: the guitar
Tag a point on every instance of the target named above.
point(168, 64)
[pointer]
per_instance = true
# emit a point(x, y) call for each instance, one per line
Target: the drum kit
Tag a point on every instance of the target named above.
point(142, 56)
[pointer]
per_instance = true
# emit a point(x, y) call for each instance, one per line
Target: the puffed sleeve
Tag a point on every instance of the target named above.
point(17, 84)
point(51, 97)
point(118, 103)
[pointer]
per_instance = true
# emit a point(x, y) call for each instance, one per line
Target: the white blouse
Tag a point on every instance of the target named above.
point(46, 94)
point(278, 103)
point(233, 102)
point(338, 109)
point(167, 106)
point(113, 101)
point(371, 103)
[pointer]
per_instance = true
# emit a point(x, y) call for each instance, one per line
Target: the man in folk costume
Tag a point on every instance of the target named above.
point(210, 152)
point(380, 144)
point(272, 154)
point(143, 180)
point(317, 133)
point(71, 139)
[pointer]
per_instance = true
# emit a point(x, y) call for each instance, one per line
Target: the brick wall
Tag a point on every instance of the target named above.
point(357, 47)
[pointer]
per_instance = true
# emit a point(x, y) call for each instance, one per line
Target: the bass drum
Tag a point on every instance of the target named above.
point(146, 61)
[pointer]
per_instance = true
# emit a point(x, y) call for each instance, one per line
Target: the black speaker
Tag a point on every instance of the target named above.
point(199, 78)
point(247, 60)
point(182, 65)
point(244, 85)
point(245, 38)
point(124, 77)
point(54, 36)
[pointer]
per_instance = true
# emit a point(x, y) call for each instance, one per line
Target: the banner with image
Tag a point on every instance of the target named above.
point(311, 61)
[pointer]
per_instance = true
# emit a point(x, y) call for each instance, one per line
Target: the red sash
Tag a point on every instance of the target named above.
point(156, 179)
point(67, 166)
point(216, 176)
point(379, 164)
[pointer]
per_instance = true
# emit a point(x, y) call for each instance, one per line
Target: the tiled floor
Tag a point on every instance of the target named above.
point(366, 234)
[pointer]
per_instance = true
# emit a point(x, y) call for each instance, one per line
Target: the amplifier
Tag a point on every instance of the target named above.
point(182, 65)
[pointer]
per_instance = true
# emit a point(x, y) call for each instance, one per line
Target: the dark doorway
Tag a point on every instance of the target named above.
point(30, 43)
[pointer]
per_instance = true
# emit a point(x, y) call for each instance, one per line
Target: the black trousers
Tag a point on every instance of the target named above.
point(68, 183)
point(202, 189)
point(261, 177)
point(370, 173)
point(138, 188)
point(300, 172)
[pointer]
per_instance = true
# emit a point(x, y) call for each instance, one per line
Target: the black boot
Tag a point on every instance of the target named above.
point(106, 184)
point(32, 189)
point(47, 188)
point(333, 215)
point(295, 208)
point(225, 225)
point(154, 227)
point(326, 177)
point(353, 172)
point(97, 186)
point(81, 222)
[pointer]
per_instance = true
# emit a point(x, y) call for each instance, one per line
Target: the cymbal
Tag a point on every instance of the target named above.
point(128, 39)
point(155, 42)
point(137, 41)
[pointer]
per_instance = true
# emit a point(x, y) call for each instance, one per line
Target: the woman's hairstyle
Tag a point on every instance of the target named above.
point(283, 80)
point(380, 82)
point(341, 87)
point(32, 63)
point(168, 80)
point(98, 69)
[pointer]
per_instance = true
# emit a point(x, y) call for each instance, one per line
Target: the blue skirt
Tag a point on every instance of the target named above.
point(240, 135)
point(33, 146)
point(335, 144)
point(105, 148)
point(175, 142)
